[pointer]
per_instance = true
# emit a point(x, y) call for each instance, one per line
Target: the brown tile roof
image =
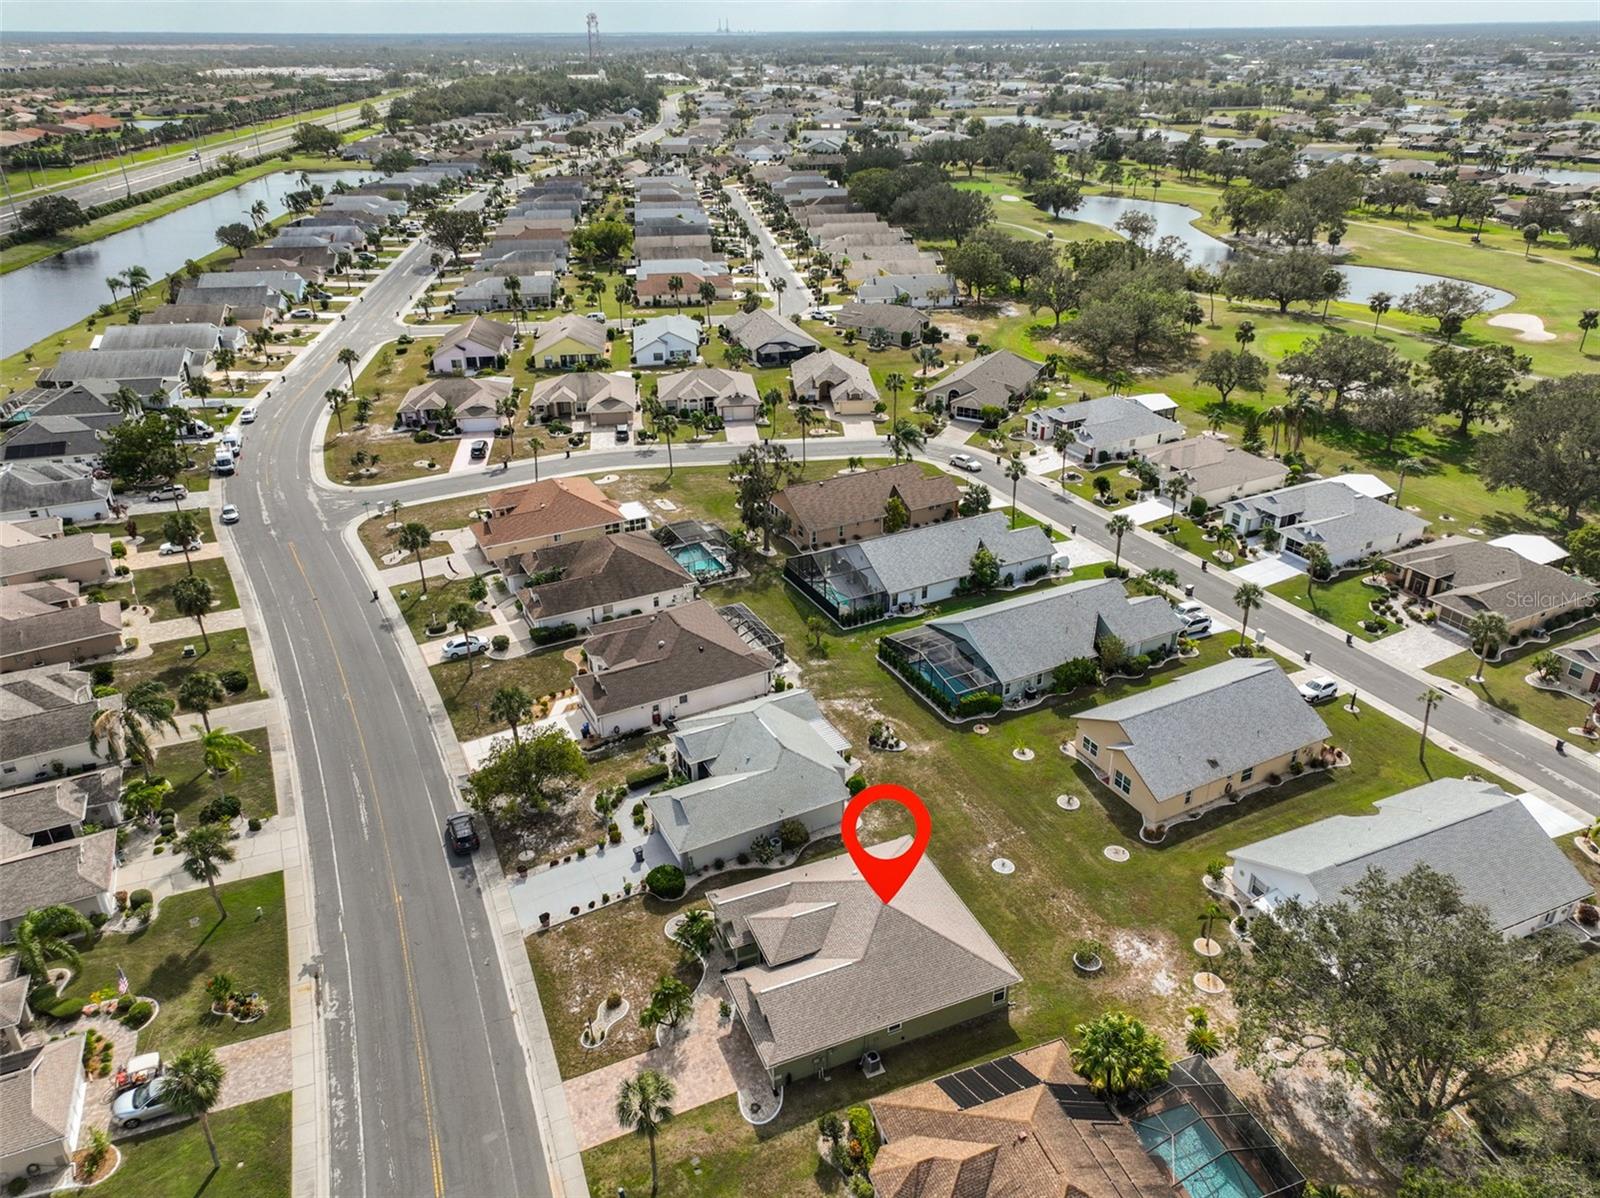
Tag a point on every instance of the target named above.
point(673, 651)
point(618, 568)
point(557, 505)
point(853, 498)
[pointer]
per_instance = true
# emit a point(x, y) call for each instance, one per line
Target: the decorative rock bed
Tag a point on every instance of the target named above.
point(602, 1023)
point(1022, 754)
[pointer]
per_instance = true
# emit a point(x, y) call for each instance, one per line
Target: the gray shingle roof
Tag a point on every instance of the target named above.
point(36, 1096)
point(69, 871)
point(1341, 519)
point(1492, 578)
point(47, 484)
point(1112, 420)
point(763, 327)
point(936, 553)
point(1473, 831)
point(1207, 725)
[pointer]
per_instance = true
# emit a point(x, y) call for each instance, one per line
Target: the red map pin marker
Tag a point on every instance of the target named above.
point(886, 874)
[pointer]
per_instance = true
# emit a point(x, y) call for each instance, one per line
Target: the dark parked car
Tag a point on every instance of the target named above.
point(480, 450)
point(461, 833)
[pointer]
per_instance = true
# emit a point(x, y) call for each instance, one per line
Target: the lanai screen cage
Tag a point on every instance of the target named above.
point(700, 548)
point(839, 581)
point(753, 630)
point(1210, 1143)
point(945, 662)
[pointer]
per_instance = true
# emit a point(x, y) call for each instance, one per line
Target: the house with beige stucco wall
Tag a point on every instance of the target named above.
point(1211, 737)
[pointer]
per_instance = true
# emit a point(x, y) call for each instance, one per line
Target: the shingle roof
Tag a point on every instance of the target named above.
point(614, 569)
point(648, 330)
point(874, 964)
point(830, 366)
point(26, 554)
point(120, 364)
point(69, 871)
point(199, 337)
point(1211, 464)
point(706, 382)
point(918, 557)
point(762, 326)
point(470, 397)
point(767, 761)
point(893, 319)
point(590, 334)
point(853, 498)
point(1475, 832)
point(541, 509)
point(991, 377)
point(37, 1089)
point(676, 650)
point(479, 330)
point(588, 386)
point(1491, 578)
point(1113, 419)
point(46, 484)
point(1212, 723)
point(1335, 515)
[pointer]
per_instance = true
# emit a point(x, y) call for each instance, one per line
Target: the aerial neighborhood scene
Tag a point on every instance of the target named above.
point(840, 599)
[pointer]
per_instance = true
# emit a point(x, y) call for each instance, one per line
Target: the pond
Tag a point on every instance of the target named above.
point(1176, 220)
point(57, 292)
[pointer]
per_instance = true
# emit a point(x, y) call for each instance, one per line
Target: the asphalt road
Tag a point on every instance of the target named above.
point(105, 188)
point(795, 297)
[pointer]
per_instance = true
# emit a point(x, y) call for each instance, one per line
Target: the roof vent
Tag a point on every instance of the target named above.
point(661, 644)
point(1212, 762)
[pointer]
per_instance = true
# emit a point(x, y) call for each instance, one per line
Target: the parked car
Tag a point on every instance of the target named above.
point(461, 833)
point(964, 461)
point(622, 434)
point(479, 451)
point(1319, 690)
point(598, 317)
point(302, 314)
point(168, 548)
point(168, 493)
point(458, 647)
point(230, 514)
point(1196, 621)
point(142, 1103)
point(248, 415)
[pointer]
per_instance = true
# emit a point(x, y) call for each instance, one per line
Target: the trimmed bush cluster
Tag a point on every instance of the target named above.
point(234, 681)
point(220, 810)
point(649, 776)
point(665, 881)
point(556, 632)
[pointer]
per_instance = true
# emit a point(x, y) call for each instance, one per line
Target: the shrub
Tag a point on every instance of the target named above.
point(665, 881)
point(16, 1185)
point(255, 824)
point(234, 681)
point(613, 1000)
point(101, 673)
point(139, 1014)
point(855, 784)
point(140, 898)
point(860, 1187)
point(557, 632)
point(220, 810)
point(863, 1133)
point(793, 834)
point(648, 776)
point(501, 642)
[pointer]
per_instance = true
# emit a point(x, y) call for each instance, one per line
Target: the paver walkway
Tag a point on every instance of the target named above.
point(257, 1068)
point(235, 717)
point(183, 628)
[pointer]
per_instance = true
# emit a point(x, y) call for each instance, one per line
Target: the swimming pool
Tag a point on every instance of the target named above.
point(1181, 1140)
point(699, 560)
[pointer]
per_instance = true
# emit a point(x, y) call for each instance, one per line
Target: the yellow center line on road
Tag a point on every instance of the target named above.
point(394, 890)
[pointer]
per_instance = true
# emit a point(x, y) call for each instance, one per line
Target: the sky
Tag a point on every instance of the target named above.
point(755, 16)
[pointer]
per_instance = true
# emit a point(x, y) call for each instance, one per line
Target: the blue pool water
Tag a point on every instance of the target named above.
point(1191, 1150)
point(698, 560)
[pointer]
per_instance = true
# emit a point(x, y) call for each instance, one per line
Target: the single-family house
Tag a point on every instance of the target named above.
point(569, 342)
point(1212, 736)
point(674, 281)
point(601, 578)
point(916, 291)
point(285, 283)
point(479, 344)
point(862, 580)
point(80, 872)
point(1475, 832)
point(994, 380)
point(829, 377)
point(471, 404)
point(1580, 669)
point(28, 557)
point(1111, 428)
point(652, 669)
point(900, 323)
point(605, 400)
point(730, 394)
point(56, 809)
point(1350, 526)
point(751, 768)
point(850, 507)
point(523, 519)
point(143, 371)
point(42, 1092)
point(48, 713)
point(61, 425)
point(1214, 470)
point(68, 490)
point(1461, 578)
point(827, 972)
point(1011, 649)
point(772, 340)
point(666, 340)
point(494, 292)
point(50, 621)
point(200, 339)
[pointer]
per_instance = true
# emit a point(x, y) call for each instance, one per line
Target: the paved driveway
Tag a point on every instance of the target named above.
point(1420, 646)
point(1265, 571)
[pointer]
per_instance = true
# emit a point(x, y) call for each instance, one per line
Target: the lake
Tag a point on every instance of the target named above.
point(57, 292)
point(1177, 220)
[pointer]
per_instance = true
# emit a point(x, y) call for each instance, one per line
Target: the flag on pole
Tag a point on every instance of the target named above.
point(122, 981)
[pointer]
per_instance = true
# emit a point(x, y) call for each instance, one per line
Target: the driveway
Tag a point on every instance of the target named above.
point(1420, 646)
point(582, 881)
point(1266, 571)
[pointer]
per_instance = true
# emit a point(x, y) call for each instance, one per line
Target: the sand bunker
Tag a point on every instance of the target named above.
point(1529, 328)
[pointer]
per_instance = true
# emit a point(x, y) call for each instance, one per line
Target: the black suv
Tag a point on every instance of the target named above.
point(461, 833)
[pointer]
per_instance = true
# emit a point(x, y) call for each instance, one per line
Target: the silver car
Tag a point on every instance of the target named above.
point(458, 647)
point(140, 1104)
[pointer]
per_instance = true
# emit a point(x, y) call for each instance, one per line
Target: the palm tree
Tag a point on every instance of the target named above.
point(1119, 526)
point(221, 750)
point(191, 1086)
point(337, 399)
point(258, 213)
point(181, 529)
point(805, 417)
point(1429, 699)
point(348, 358)
point(506, 408)
point(643, 1103)
point(414, 538)
point(127, 401)
point(1319, 566)
point(1380, 303)
point(1209, 914)
point(193, 597)
point(115, 283)
point(675, 285)
point(1248, 596)
point(1176, 488)
point(513, 705)
point(905, 438)
point(205, 848)
point(708, 296)
point(1116, 1054)
point(126, 730)
point(894, 382)
point(460, 616)
point(1245, 333)
point(1486, 631)
point(200, 692)
point(1061, 442)
point(45, 934)
point(1588, 321)
point(1016, 471)
point(666, 425)
point(137, 279)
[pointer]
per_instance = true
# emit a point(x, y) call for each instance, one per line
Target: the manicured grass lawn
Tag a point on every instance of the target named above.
point(155, 585)
point(253, 1141)
point(229, 651)
point(1344, 603)
point(442, 514)
point(172, 962)
point(467, 688)
point(419, 609)
point(395, 370)
point(1504, 689)
point(1188, 535)
point(193, 787)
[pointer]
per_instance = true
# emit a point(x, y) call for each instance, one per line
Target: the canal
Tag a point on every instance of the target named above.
point(57, 292)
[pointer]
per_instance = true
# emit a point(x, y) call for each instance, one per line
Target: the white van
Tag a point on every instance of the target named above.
point(248, 415)
point(233, 439)
point(222, 462)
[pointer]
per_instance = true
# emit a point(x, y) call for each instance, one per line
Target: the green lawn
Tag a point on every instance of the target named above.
point(229, 651)
point(172, 962)
point(420, 609)
point(1343, 603)
point(1188, 535)
point(1503, 687)
point(193, 787)
point(154, 586)
point(467, 686)
point(253, 1141)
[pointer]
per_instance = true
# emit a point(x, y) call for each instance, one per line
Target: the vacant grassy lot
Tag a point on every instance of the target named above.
point(1343, 603)
point(395, 370)
point(467, 686)
point(172, 962)
point(154, 586)
point(1503, 686)
point(253, 1141)
point(166, 664)
point(193, 786)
